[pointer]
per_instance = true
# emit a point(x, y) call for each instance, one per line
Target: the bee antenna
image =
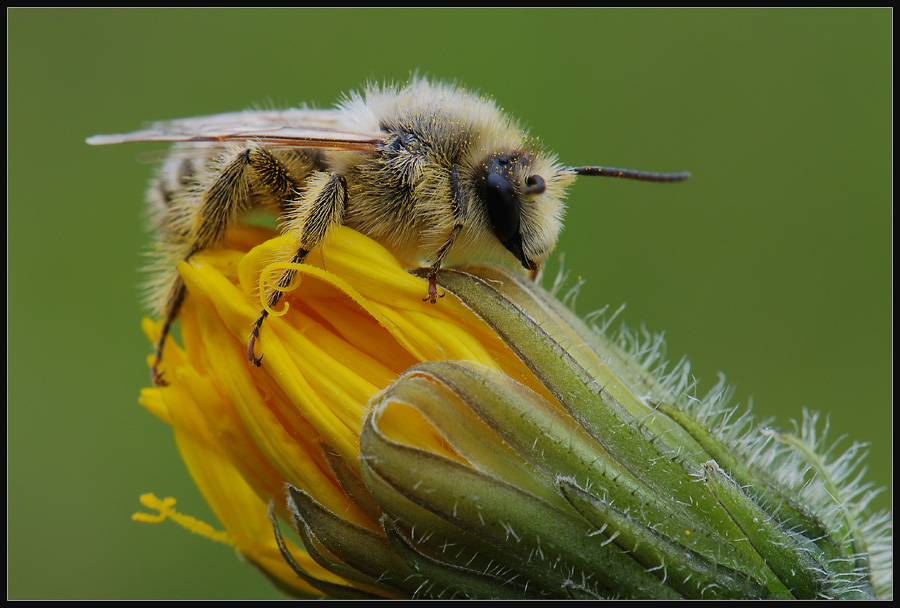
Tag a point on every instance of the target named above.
point(535, 185)
point(644, 176)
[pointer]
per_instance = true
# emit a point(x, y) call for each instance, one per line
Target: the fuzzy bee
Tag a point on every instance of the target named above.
point(427, 169)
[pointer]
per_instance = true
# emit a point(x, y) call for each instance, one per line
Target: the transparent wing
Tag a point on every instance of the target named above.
point(302, 128)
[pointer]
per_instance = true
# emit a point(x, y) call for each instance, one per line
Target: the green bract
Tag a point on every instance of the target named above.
point(626, 490)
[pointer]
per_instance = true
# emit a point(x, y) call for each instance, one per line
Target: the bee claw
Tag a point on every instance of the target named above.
point(251, 343)
point(254, 336)
point(156, 376)
point(433, 295)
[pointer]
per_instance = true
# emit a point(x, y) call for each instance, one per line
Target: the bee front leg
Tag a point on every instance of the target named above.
point(320, 206)
point(459, 217)
point(433, 294)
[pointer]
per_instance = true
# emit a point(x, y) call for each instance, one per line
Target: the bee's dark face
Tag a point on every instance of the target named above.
point(500, 186)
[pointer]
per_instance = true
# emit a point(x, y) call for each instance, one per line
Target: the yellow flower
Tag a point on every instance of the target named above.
point(490, 445)
point(356, 321)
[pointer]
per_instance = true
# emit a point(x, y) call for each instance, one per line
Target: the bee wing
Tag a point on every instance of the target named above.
point(302, 128)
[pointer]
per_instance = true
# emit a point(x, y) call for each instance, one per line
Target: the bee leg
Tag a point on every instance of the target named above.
point(251, 170)
point(433, 294)
point(459, 216)
point(225, 199)
point(272, 300)
point(173, 306)
point(320, 206)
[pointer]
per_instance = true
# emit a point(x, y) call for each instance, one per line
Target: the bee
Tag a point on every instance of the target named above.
point(428, 169)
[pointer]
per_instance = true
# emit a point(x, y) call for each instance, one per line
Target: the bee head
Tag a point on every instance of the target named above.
point(525, 210)
point(504, 186)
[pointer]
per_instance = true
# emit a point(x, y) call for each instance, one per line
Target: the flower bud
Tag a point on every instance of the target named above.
point(490, 446)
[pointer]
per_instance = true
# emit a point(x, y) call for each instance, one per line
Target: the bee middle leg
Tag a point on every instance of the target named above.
point(320, 206)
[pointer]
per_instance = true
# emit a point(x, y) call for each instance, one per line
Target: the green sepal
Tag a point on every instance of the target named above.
point(786, 554)
point(853, 565)
point(780, 505)
point(691, 574)
point(551, 443)
point(444, 542)
point(589, 348)
point(450, 408)
point(621, 424)
point(444, 580)
point(359, 554)
point(327, 588)
point(556, 542)
point(353, 484)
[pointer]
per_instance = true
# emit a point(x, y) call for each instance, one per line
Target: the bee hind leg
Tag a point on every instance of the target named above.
point(319, 207)
point(173, 307)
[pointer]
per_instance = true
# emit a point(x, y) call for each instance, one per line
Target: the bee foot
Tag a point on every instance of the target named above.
point(251, 356)
point(433, 295)
point(156, 376)
point(254, 336)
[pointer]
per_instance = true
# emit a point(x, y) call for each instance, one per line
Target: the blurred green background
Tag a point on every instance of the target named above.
point(772, 265)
